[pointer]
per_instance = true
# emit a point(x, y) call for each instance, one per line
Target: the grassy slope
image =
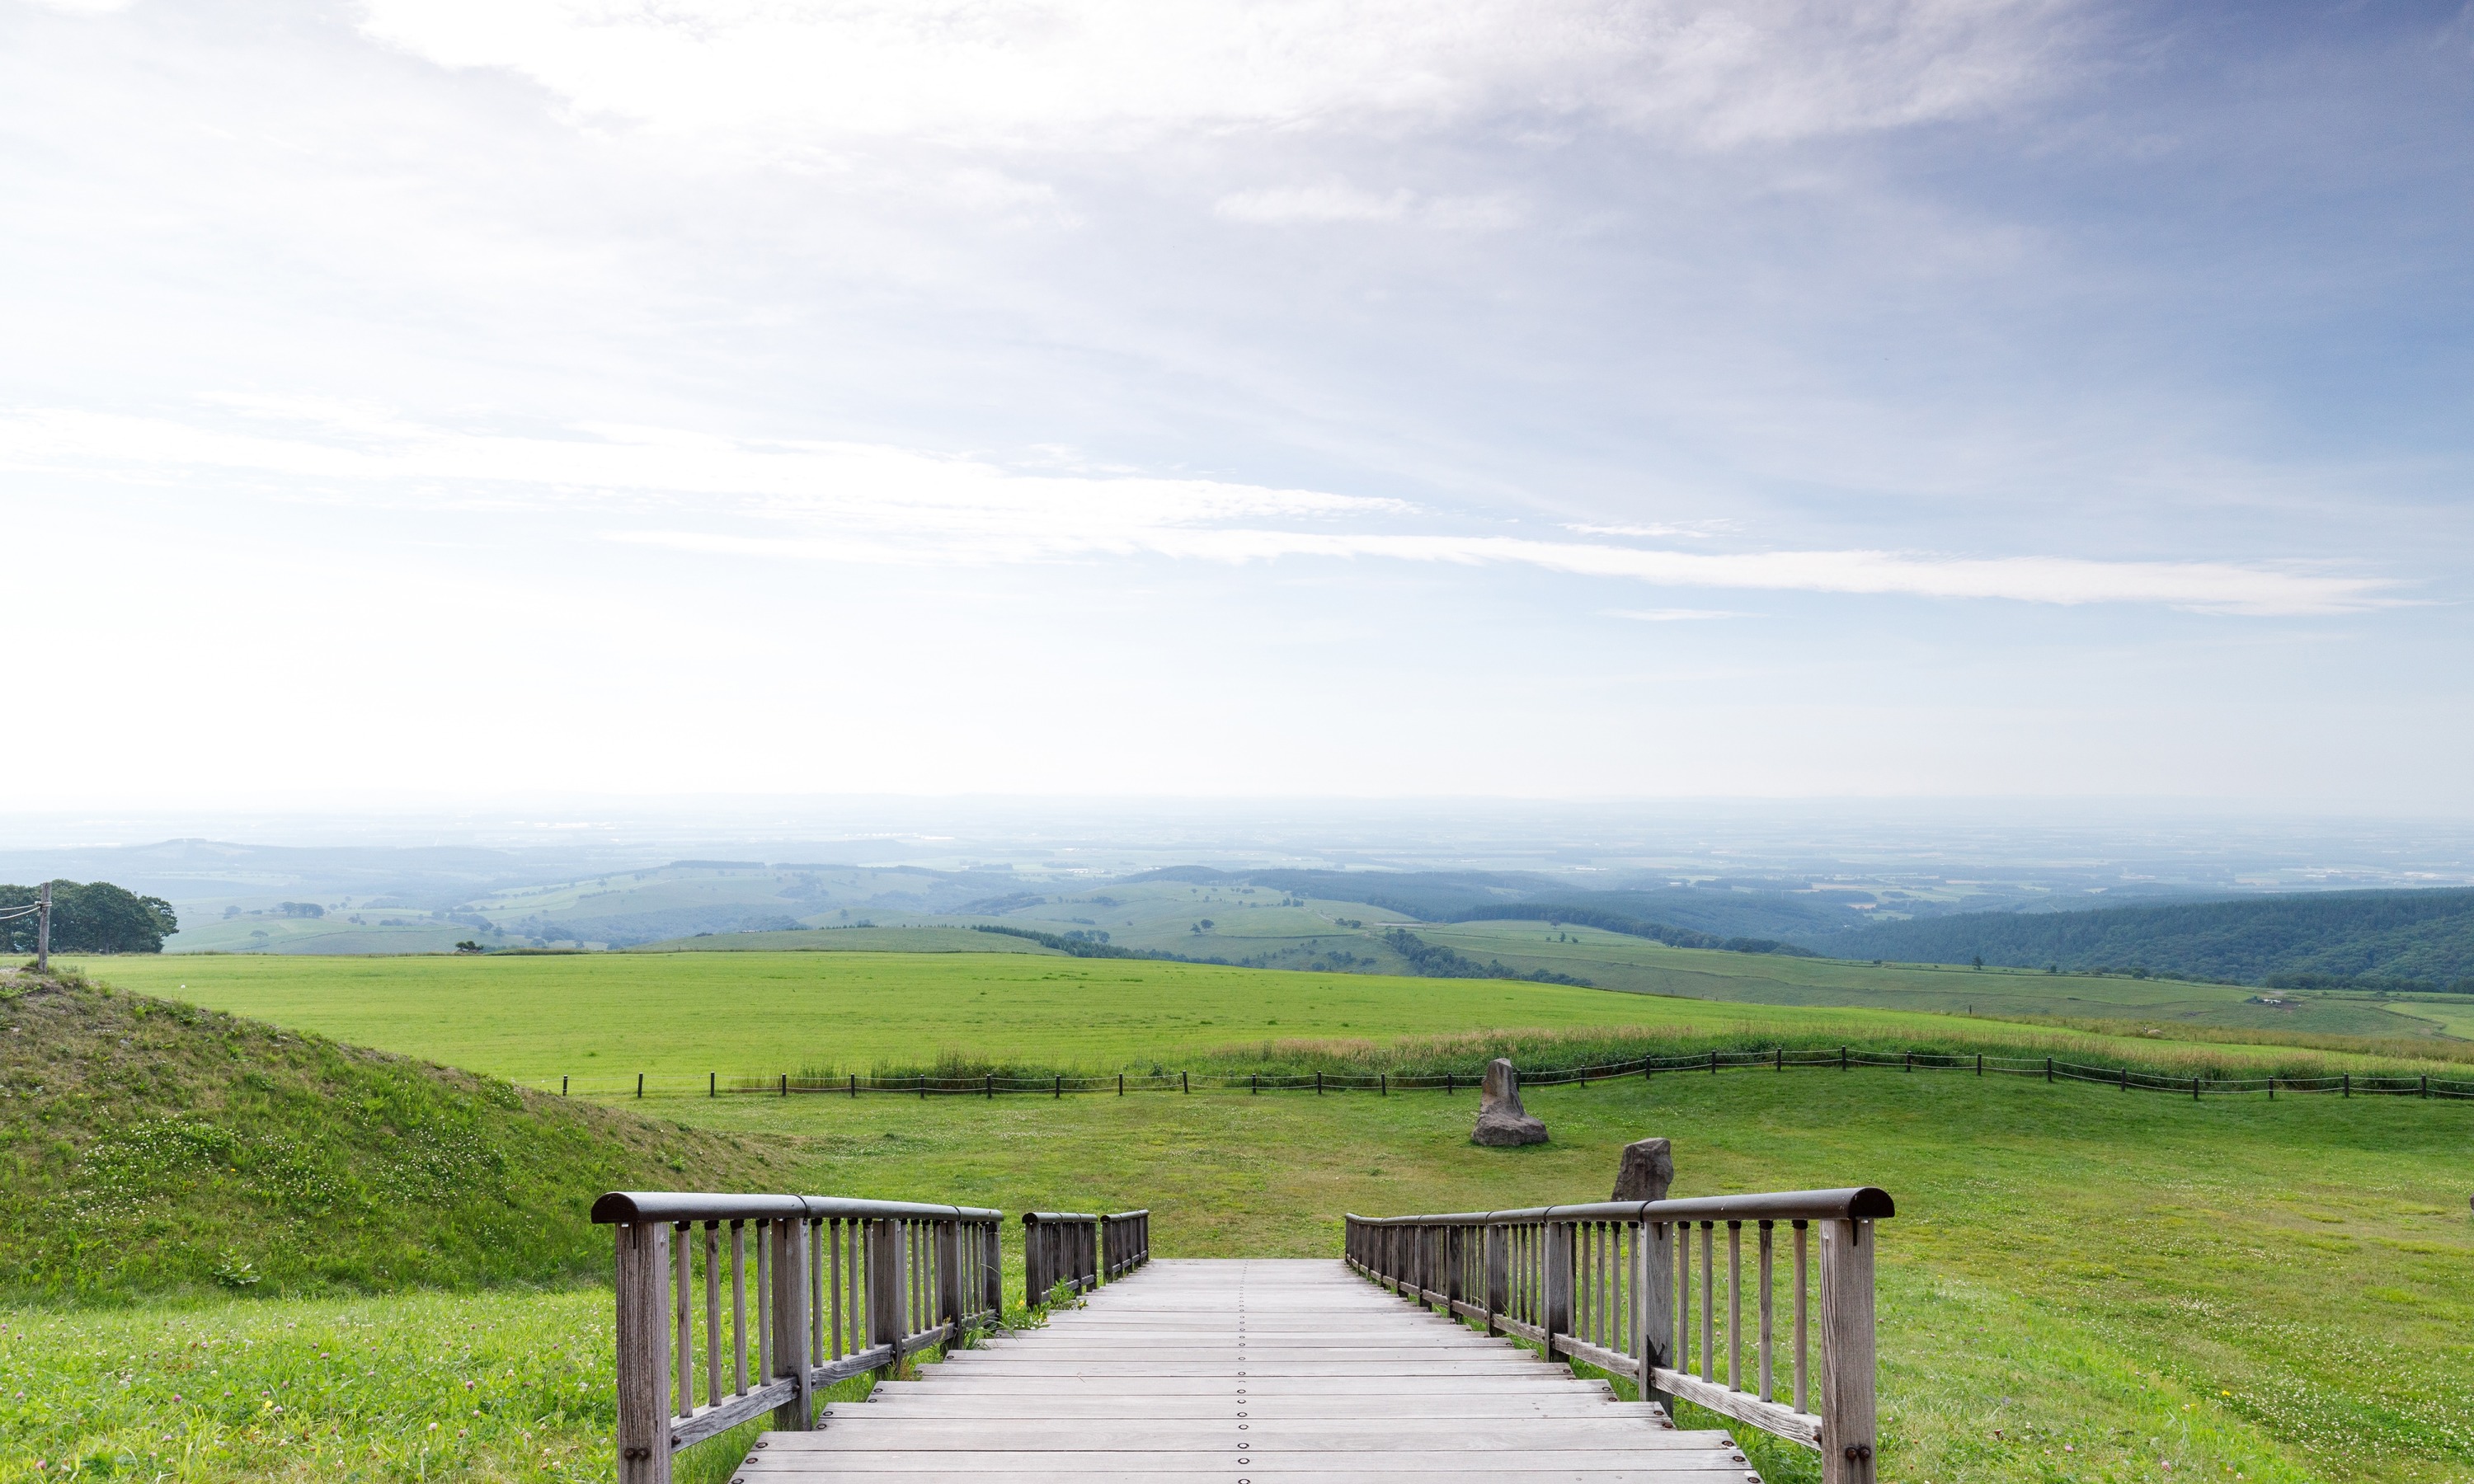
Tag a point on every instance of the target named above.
point(603, 1018)
point(145, 1144)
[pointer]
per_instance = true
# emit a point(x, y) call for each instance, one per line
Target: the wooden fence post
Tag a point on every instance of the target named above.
point(644, 1279)
point(888, 1284)
point(791, 1257)
point(1654, 1283)
point(1498, 1275)
point(1847, 1438)
point(1557, 1316)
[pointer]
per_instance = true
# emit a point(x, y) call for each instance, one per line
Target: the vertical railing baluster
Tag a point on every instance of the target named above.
point(1582, 1254)
point(1627, 1292)
point(683, 1252)
point(1709, 1301)
point(833, 1265)
point(738, 1306)
point(857, 1277)
point(818, 1278)
point(1683, 1296)
point(765, 1298)
point(1734, 1305)
point(1800, 1265)
point(712, 1313)
point(1766, 1344)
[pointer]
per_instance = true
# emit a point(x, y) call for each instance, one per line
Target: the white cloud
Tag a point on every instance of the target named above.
point(864, 503)
point(1670, 615)
point(1341, 201)
point(1110, 73)
point(1332, 202)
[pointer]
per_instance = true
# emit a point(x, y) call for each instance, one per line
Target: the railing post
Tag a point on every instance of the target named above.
point(789, 1236)
point(1846, 1409)
point(949, 1275)
point(644, 1279)
point(1035, 1281)
point(888, 1284)
point(1654, 1281)
point(1557, 1316)
point(992, 1269)
point(1498, 1275)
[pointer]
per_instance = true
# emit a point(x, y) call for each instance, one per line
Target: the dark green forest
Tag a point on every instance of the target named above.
point(2322, 939)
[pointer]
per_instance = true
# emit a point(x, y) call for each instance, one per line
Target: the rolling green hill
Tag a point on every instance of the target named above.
point(2421, 939)
point(148, 1145)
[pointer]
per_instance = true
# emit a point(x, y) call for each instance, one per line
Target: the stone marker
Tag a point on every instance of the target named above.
point(1500, 1121)
point(1648, 1168)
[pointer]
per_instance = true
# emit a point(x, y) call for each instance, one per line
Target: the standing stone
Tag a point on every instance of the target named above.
point(1500, 1121)
point(1648, 1168)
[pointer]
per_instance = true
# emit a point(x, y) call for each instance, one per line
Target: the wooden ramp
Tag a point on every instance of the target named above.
point(1247, 1373)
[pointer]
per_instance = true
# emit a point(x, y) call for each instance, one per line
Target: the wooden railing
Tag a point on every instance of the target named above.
point(1613, 1285)
point(840, 1289)
point(1125, 1243)
point(1059, 1247)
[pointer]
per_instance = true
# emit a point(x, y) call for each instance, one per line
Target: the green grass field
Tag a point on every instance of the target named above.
point(2282, 1292)
point(2082, 1284)
point(602, 1019)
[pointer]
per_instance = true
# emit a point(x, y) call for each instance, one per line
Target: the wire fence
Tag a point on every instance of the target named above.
point(1056, 1084)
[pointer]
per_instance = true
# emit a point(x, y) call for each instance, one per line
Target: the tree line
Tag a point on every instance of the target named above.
point(92, 916)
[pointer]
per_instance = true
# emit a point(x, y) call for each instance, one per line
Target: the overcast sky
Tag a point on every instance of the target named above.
point(421, 399)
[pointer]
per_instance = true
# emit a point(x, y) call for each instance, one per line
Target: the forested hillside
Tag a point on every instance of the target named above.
point(2379, 939)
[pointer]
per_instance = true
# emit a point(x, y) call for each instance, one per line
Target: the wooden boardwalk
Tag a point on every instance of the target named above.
point(1247, 1373)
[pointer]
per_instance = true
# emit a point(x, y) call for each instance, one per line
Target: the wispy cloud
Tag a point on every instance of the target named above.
point(1341, 201)
point(1670, 615)
point(865, 503)
point(1115, 71)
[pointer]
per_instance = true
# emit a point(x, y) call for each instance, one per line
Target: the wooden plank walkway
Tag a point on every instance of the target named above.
point(1247, 1373)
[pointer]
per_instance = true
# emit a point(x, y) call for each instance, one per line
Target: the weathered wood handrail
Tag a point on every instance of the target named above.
point(1612, 1283)
point(1125, 1243)
point(1059, 1247)
point(843, 1288)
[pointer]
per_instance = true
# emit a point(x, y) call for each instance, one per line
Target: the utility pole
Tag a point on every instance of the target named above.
point(43, 929)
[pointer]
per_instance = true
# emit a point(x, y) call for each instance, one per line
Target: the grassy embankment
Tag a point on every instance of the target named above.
point(230, 1250)
point(2081, 1286)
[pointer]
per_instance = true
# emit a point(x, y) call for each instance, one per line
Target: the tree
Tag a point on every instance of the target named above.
point(96, 917)
point(468, 946)
point(1978, 962)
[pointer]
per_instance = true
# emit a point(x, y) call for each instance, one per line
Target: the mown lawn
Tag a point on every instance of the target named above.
point(600, 1020)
